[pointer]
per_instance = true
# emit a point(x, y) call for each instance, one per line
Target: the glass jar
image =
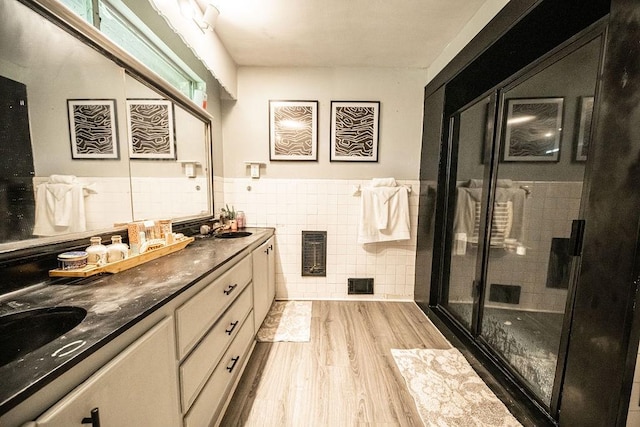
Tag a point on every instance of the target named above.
point(117, 251)
point(97, 252)
point(241, 219)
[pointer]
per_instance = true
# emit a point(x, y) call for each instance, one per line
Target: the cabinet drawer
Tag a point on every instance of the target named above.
point(208, 404)
point(137, 388)
point(196, 369)
point(197, 315)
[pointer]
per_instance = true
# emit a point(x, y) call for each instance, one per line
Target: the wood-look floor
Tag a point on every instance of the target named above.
point(345, 376)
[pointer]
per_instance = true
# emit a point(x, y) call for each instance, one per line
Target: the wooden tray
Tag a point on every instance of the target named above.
point(125, 264)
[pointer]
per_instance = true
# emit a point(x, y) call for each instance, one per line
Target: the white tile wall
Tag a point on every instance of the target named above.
point(548, 213)
point(294, 205)
point(171, 197)
point(218, 194)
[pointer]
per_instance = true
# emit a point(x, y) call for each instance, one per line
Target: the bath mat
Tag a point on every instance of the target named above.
point(287, 321)
point(448, 392)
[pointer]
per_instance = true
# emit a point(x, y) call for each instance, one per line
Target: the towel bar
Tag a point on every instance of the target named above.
point(357, 189)
point(527, 190)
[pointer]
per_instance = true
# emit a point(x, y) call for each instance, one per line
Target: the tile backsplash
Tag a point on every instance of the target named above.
point(294, 205)
point(109, 202)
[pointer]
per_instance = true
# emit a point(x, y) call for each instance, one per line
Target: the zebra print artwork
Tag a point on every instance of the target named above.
point(293, 130)
point(151, 129)
point(354, 131)
point(533, 130)
point(92, 125)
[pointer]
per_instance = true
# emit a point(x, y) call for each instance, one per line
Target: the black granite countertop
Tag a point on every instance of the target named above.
point(114, 303)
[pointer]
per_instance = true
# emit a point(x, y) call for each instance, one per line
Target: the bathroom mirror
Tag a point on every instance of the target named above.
point(68, 122)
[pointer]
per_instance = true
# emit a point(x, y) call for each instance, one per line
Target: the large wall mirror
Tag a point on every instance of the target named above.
point(86, 144)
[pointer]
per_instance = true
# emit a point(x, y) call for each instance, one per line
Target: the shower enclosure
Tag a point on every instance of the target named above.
point(507, 254)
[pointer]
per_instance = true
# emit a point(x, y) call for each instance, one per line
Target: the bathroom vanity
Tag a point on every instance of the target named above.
point(162, 344)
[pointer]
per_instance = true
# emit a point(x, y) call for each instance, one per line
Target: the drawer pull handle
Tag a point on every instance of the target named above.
point(233, 326)
point(234, 360)
point(230, 289)
point(94, 420)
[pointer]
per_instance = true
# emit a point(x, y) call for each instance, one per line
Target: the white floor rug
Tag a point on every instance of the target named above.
point(287, 321)
point(447, 390)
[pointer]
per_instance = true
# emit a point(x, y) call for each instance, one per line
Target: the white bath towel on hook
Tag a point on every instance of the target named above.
point(384, 214)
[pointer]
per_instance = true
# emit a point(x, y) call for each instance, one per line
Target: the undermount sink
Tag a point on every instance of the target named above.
point(232, 234)
point(25, 331)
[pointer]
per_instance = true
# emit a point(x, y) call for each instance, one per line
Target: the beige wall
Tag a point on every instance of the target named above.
point(246, 121)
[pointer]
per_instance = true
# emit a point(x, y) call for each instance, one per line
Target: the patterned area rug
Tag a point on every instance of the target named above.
point(287, 321)
point(448, 392)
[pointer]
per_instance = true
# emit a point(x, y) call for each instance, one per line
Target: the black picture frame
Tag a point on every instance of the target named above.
point(93, 129)
point(533, 129)
point(151, 129)
point(355, 129)
point(293, 130)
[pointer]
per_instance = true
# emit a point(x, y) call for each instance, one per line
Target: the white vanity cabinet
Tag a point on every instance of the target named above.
point(264, 280)
point(178, 366)
point(215, 337)
point(137, 388)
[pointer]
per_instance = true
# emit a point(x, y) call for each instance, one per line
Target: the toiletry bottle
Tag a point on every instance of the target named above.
point(97, 252)
point(117, 251)
point(241, 219)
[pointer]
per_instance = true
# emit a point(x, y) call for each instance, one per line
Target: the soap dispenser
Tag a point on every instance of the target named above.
point(117, 251)
point(97, 252)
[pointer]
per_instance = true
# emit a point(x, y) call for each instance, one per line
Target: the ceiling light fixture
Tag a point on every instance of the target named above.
point(209, 18)
point(204, 20)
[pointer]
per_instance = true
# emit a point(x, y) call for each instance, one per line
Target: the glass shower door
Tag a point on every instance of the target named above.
point(537, 196)
point(471, 133)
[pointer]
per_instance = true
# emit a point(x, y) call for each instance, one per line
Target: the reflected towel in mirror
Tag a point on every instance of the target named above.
point(60, 206)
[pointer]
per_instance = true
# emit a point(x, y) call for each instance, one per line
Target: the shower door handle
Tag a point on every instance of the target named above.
point(577, 237)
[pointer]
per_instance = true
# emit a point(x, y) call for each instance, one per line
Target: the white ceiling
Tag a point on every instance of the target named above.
point(340, 33)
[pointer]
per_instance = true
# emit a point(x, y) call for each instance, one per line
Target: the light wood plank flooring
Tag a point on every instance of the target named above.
point(345, 376)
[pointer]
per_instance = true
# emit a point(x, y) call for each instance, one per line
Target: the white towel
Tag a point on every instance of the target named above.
point(59, 200)
point(62, 179)
point(383, 182)
point(508, 221)
point(60, 206)
point(384, 215)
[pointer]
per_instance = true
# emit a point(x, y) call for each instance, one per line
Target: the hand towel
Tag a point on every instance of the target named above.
point(62, 179)
point(383, 182)
point(383, 206)
point(509, 202)
point(59, 203)
point(60, 208)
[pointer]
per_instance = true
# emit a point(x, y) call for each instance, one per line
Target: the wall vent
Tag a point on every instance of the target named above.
point(360, 286)
point(314, 253)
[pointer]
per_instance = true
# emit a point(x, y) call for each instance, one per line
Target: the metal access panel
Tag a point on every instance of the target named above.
point(360, 286)
point(314, 253)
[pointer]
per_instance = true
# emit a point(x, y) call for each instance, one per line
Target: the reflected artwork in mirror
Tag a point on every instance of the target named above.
point(533, 130)
point(92, 128)
point(64, 125)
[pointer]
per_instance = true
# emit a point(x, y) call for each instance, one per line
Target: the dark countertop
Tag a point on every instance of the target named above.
point(114, 303)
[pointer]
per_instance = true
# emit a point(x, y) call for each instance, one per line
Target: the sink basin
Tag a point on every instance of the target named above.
point(233, 234)
point(25, 331)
